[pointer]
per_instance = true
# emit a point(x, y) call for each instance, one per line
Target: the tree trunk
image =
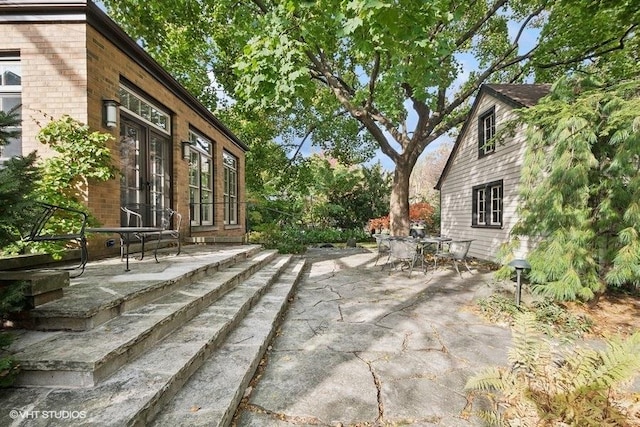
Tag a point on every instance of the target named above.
point(399, 204)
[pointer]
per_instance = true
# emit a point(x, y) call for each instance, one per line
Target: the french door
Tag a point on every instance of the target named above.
point(145, 167)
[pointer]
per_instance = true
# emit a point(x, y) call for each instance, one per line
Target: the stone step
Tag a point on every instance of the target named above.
point(203, 402)
point(135, 394)
point(105, 292)
point(82, 359)
point(40, 287)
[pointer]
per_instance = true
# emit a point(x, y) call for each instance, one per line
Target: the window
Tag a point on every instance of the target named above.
point(486, 132)
point(230, 188)
point(143, 109)
point(487, 205)
point(200, 179)
point(10, 100)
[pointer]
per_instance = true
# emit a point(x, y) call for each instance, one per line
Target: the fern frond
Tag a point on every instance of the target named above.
point(490, 379)
point(530, 351)
point(619, 362)
point(577, 369)
point(492, 418)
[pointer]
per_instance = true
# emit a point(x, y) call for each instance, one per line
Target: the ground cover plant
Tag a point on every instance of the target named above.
point(576, 386)
point(552, 318)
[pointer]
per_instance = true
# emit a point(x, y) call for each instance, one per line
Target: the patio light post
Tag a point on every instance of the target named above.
point(520, 265)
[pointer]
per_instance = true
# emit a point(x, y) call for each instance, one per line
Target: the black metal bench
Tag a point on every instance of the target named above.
point(43, 229)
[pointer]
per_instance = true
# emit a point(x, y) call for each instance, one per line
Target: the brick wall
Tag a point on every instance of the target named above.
point(54, 74)
point(70, 69)
point(107, 65)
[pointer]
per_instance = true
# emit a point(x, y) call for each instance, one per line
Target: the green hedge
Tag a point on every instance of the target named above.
point(295, 240)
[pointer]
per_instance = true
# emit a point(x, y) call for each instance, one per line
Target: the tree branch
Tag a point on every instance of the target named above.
point(587, 56)
point(344, 93)
point(372, 80)
point(310, 130)
point(474, 28)
point(497, 65)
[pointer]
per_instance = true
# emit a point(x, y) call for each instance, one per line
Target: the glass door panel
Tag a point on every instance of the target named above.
point(145, 166)
point(131, 178)
point(159, 190)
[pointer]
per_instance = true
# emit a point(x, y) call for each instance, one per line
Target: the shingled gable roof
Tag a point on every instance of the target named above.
point(517, 95)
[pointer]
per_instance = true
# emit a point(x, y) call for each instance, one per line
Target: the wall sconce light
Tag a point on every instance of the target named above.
point(185, 150)
point(110, 111)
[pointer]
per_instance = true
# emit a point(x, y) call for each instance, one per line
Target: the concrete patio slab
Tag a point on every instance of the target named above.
point(362, 345)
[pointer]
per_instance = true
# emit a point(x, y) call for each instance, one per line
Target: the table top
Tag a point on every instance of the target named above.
point(123, 229)
point(435, 239)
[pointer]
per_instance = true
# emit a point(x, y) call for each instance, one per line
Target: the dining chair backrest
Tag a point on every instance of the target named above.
point(382, 240)
point(133, 218)
point(458, 249)
point(171, 220)
point(403, 248)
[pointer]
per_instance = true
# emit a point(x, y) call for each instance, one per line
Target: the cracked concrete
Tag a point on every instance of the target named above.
point(365, 347)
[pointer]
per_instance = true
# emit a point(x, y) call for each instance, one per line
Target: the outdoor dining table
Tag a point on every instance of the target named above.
point(437, 240)
point(125, 235)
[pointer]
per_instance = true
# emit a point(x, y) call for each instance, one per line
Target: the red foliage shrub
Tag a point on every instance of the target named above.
point(418, 212)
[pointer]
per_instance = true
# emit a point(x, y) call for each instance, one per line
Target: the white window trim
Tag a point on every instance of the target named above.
point(15, 91)
point(486, 125)
point(230, 200)
point(484, 208)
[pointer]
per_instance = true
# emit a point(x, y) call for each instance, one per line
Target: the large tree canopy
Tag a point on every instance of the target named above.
point(354, 75)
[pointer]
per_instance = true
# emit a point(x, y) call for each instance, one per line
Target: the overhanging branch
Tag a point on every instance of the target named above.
point(587, 55)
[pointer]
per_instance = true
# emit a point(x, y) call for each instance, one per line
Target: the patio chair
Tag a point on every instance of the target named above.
point(133, 219)
point(455, 250)
point(382, 242)
point(45, 226)
point(405, 251)
point(169, 223)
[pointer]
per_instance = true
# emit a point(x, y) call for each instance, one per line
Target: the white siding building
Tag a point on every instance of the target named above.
point(479, 184)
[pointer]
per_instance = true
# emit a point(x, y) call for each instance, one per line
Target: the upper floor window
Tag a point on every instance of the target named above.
point(200, 179)
point(486, 132)
point(230, 188)
point(487, 205)
point(11, 100)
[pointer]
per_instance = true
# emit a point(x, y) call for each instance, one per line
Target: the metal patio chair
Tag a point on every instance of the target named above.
point(455, 250)
point(404, 250)
point(382, 242)
point(170, 222)
point(46, 225)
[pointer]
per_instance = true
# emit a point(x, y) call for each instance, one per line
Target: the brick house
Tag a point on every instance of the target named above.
point(479, 183)
point(68, 57)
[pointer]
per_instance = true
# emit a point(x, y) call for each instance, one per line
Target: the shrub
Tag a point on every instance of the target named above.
point(293, 239)
point(422, 213)
point(11, 299)
point(81, 156)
